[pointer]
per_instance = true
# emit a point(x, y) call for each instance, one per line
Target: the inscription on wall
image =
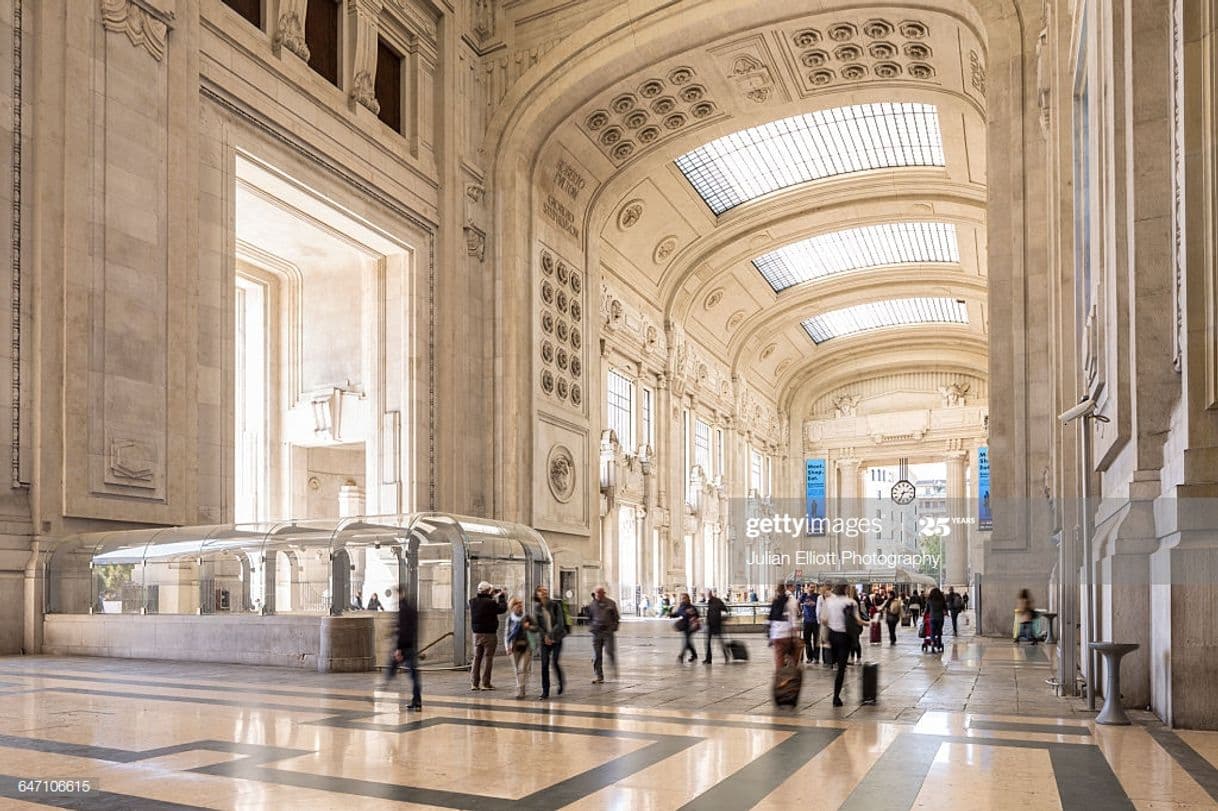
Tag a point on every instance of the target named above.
point(563, 186)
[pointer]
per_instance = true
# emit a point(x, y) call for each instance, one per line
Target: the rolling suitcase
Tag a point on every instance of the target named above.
point(876, 638)
point(735, 651)
point(871, 682)
point(787, 681)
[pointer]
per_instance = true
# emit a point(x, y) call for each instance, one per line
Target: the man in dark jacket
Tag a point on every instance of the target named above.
point(715, 611)
point(954, 606)
point(604, 618)
point(406, 653)
point(484, 611)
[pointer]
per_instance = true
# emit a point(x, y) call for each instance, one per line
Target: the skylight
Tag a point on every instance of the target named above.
point(895, 243)
point(880, 314)
point(748, 164)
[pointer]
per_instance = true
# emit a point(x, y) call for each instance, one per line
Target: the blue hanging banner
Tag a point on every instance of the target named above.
point(985, 518)
point(815, 481)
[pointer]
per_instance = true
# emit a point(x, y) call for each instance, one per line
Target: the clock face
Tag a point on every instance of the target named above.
point(903, 492)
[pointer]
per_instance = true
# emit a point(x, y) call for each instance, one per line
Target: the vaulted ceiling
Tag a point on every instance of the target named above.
point(806, 199)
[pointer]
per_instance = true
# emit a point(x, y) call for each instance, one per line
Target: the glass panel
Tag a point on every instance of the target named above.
point(898, 243)
point(702, 447)
point(745, 165)
point(620, 411)
point(889, 313)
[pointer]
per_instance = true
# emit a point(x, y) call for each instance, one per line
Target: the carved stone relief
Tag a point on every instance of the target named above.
point(875, 49)
point(628, 123)
point(289, 29)
point(560, 473)
point(630, 214)
point(665, 249)
point(560, 300)
point(145, 27)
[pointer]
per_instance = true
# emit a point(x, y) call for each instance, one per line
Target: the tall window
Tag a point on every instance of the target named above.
point(389, 85)
point(756, 472)
point(321, 38)
point(720, 451)
point(649, 437)
point(251, 401)
point(251, 10)
point(620, 402)
point(702, 446)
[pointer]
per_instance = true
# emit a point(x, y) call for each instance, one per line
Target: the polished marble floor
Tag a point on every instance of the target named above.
point(976, 728)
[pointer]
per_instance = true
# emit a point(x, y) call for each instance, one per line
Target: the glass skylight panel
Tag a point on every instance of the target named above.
point(745, 165)
point(896, 243)
point(880, 314)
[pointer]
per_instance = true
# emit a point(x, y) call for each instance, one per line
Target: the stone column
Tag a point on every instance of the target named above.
point(361, 35)
point(955, 544)
point(849, 494)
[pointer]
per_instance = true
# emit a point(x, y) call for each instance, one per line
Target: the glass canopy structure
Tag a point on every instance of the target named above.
point(881, 314)
point(300, 567)
point(754, 162)
point(897, 243)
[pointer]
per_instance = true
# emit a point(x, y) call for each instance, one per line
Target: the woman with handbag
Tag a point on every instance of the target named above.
point(688, 623)
point(518, 640)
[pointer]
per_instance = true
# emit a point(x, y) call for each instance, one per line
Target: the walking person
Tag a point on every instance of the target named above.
point(954, 606)
point(519, 634)
point(856, 627)
point(811, 627)
point(688, 623)
point(826, 648)
point(892, 613)
point(915, 606)
point(715, 611)
point(484, 611)
point(936, 608)
point(784, 622)
point(406, 652)
point(836, 617)
point(604, 619)
point(552, 627)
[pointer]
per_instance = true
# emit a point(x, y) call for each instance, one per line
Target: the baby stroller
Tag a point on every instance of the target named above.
point(924, 632)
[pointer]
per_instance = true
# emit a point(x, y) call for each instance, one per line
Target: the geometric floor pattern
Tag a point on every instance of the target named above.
point(155, 736)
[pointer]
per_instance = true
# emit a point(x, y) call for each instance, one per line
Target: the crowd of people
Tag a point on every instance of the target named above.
point(817, 624)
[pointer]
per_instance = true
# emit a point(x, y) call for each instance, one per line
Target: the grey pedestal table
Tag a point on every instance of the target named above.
point(1112, 712)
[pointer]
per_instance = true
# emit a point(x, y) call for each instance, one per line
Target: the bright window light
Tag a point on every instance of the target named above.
point(880, 314)
point(895, 243)
point(748, 164)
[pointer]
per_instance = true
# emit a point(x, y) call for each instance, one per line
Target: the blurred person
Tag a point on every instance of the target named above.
point(936, 608)
point(688, 623)
point(1025, 611)
point(519, 641)
point(715, 612)
point(484, 610)
point(552, 626)
point(811, 626)
point(892, 613)
point(836, 617)
point(603, 619)
point(784, 626)
point(954, 606)
point(406, 653)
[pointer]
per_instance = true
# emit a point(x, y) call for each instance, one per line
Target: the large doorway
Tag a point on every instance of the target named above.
point(311, 359)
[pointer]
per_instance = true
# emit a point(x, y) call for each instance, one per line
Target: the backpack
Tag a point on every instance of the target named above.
point(894, 607)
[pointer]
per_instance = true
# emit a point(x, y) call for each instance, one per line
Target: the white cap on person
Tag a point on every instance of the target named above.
point(484, 587)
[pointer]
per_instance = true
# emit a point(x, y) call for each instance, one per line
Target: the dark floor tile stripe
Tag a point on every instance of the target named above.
point(894, 781)
point(1045, 729)
point(1085, 781)
point(574, 789)
point(749, 785)
point(1193, 763)
point(95, 800)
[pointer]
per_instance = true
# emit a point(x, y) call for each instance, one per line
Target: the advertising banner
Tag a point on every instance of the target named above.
point(816, 502)
point(985, 518)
